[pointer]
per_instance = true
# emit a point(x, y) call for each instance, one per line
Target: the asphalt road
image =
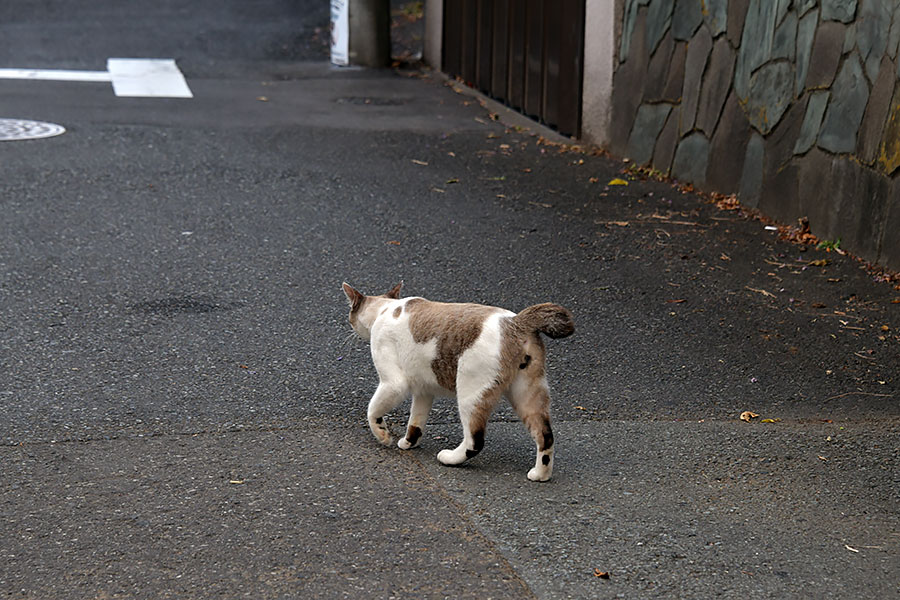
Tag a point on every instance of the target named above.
point(183, 413)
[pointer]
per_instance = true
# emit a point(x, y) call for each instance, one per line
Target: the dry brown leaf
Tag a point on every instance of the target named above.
point(748, 415)
point(601, 574)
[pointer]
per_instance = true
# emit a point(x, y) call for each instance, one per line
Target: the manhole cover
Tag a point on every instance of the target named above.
point(19, 129)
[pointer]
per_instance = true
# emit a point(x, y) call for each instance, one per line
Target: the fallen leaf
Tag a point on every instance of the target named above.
point(580, 408)
point(885, 328)
point(618, 223)
point(617, 181)
point(725, 257)
point(818, 263)
point(678, 301)
point(605, 574)
point(593, 179)
point(420, 162)
point(822, 457)
point(771, 421)
point(394, 243)
point(747, 415)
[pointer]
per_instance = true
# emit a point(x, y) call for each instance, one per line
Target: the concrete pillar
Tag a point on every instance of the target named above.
point(434, 32)
point(370, 33)
point(602, 31)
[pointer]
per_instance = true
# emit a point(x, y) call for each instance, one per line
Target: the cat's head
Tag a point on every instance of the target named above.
point(361, 314)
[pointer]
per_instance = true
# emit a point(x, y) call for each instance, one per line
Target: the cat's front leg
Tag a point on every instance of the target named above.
point(386, 397)
point(418, 415)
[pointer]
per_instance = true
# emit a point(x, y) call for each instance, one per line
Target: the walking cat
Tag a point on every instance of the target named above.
point(473, 352)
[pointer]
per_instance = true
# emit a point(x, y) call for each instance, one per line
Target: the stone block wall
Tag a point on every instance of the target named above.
point(792, 104)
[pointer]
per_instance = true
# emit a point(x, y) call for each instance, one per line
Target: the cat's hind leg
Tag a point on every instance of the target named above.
point(530, 397)
point(474, 414)
point(418, 415)
point(386, 397)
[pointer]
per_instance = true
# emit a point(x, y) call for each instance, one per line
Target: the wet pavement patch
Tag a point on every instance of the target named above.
point(364, 100)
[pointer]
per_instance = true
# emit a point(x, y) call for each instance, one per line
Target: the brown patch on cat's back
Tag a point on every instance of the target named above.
point(455, 326)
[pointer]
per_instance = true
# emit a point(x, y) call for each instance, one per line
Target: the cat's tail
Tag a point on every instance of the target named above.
point(550, 319)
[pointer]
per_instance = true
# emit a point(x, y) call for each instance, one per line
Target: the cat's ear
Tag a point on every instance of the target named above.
point(395, 291)
point(353, 297)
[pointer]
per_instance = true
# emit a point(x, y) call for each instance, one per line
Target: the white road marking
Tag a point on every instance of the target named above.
point(147, 78)
point(130, 77)
point(55, 75)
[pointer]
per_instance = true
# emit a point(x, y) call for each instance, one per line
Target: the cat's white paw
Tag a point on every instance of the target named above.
point(539, 474)
point(452, 457)
point(404, 444)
